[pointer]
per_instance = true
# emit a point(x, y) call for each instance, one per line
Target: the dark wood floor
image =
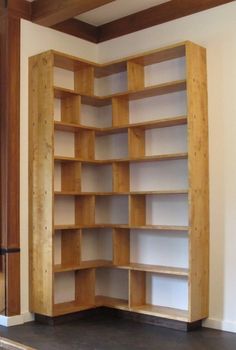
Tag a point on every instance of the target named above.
point(111, 333)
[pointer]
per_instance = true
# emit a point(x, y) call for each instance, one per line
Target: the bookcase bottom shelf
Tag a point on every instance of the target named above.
point(121, 304)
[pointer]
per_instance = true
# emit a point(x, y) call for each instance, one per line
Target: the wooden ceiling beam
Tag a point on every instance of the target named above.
point(49, 13)
point(155, 15)
point(78, 28)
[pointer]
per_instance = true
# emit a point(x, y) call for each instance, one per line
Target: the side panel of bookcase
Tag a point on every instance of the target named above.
point(41, 183)
point(198, 182)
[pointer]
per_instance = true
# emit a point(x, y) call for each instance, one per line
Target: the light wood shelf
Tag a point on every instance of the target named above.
point(148, 193)
point(161, 157)
point(99, 101)
point(141, 227)
point(111, 302)
point(49, 171)
point(160, 311)
point(160, 123)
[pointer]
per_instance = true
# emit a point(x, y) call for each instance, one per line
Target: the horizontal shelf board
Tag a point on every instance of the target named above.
point(161, 123)
point(72, 63)
point(165, 270)
point(148, 193)
point(69, 307)
point(84, 265)
point(144, 227)
point(156, 158)
point(160, 311)
point(150, 91)
point(116, 303)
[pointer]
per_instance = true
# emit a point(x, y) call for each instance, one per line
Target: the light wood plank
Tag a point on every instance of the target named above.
point(198, 182)
point(121, 247)
point(115, 303)
point(160, 311)
point(41, 105)
point(135, 74)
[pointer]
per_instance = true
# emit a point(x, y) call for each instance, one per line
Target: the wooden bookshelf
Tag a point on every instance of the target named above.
point(88, 196)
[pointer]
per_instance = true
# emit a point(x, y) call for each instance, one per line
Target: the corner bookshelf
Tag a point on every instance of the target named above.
point(119, 213)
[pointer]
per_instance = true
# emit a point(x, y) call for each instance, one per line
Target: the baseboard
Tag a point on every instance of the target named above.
point(227, 326)
point(126, 315)
point(16, 320)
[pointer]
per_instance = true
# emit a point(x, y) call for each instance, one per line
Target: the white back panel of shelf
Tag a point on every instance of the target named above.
point(159, 248)
point(112, 210)
point(111, 84)
point(165, 71)
point(64, 211)
point(167, 291)
point(164, 175)
point(167, 210)
point(96, 244)
point(96, 178)
point(64, 144)
point(64, 287)
point(158, 107)
point(166, 140)
point(112, 283)
point(63, 78)
point(111, 146)
point(96, 116)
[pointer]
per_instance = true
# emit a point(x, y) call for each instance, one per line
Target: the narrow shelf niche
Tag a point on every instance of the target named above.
point(63, 78)
point(96, 244)
point(159, 248)
point(160, 176)
point(96, 178)
point(166, 71)
point(106, 146)
point(110, 84)
point(151, 290)
point(112, 287)
point(67, 248)
point(100, 117)
point(112, 210)
point(158, 107)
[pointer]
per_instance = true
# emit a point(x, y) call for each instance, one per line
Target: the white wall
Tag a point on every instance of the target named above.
point(214, 29)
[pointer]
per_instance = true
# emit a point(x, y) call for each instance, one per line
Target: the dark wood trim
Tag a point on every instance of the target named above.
point(127, 315)
point(49, 13)
point(12, 284)
point(10, 145)
point(78, 28)
point(155, 15)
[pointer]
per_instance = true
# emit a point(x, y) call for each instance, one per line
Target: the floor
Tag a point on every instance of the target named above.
point(106, 333)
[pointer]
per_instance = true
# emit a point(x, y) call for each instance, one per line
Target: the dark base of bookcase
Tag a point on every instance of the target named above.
point(127, 315)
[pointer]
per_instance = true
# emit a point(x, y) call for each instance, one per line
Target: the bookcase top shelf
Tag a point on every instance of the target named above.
point(148, 193)
point(73, 63)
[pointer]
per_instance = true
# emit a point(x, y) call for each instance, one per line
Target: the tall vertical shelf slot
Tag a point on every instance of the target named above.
point(119, 212)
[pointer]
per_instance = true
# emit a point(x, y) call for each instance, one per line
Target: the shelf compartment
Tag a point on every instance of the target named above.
point(80, 291)
point(158, 210)
point(106, 146)
point(96, 178)
point(67, 249)
point(142, 289)
point(111, 210)
point(112, 286)
point(96, 245)
point(67, 177)
point(163, 270)
point(154, 124)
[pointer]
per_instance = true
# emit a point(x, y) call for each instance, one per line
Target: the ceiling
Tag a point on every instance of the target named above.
point(101, 20)
point(115, 10)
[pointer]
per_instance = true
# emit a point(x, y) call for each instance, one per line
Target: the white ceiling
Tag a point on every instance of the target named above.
point(116, 10)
